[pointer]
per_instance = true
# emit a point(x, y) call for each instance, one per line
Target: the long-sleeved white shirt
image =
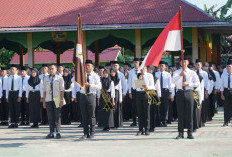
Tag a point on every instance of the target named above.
point(200, 91)
point(132, 78)
point(224, 81)
point(38, 87)
point(25, 82)
point(121, 76)
point(204, 74)
point(158, 88)
point(75, 88)
point(218, 80)
point(119, 88)
point(95, 84)
point(149, 81)
point(17, 85)
point(4, 82)
point(191, 78)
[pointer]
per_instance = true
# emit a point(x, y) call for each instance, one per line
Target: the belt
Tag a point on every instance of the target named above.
point(164, 89)
point(88, 94)
point(179, 90)
point(140, 91)
point(13, 90)
point(33, 91)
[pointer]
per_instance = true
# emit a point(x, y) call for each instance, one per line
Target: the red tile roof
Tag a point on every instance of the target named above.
point(47, 56)
point(28, 13)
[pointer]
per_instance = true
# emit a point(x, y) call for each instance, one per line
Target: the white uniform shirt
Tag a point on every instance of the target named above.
point(218, 80)
point(149, 81)
point(190, 77)
point(167, 81)
point(25, 82)
point(204, 74)
point(132, 78)
point(119, 88)
point(224, 81)
point(95, 84)
point(121, 76)
point(75, 88)
point(17, 85)
point(38, 87)
point(200, 91)
point(4, 82)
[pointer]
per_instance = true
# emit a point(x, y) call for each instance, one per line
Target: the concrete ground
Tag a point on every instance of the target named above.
point(210, 141)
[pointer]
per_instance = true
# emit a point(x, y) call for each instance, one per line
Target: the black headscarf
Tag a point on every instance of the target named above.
point(115, 78)
point(67, 79)
point(34, 81)
point(106, 81)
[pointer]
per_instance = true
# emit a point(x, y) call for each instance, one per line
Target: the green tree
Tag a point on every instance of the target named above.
point(5, 57)
point(220, 13)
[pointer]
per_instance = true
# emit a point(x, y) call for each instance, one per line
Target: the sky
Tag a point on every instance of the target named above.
point(209, 3)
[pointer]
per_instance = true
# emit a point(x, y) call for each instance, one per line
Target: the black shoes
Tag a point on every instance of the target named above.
point(84, 137)
point(190, 136)
point(91, 136)
point(139, 133)
point(180, 136)
point(164, 124)
point(225, 125)
point(50, 136)
point(4, 124)
point(147, 133)
point(203, 124)
point(58, 136)
point(151, 130)
point(11, 126)
point(106, 129)
point(35, 126)
point(133, 124)
point(80, 126)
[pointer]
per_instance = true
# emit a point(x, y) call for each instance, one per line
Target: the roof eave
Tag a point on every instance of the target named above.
point(111, 26)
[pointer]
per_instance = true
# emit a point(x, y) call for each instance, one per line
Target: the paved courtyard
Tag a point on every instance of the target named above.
point(210, 141)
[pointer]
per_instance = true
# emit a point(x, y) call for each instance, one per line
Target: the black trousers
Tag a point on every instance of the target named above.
point(4, 108)
point(65, 110)
point(88, 106)
point(227, 105)
point(24, 108)
point(133, 106)
point(153, 115)
point(143, 110)
point(53, 116)
point(14, 106)
point(170, 111)
point(185, 104)
point(34, 106)
point(44, 116)
point(164, 105)
point(204, 110)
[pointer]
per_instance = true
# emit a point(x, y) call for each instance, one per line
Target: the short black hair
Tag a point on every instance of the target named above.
point(53, 64)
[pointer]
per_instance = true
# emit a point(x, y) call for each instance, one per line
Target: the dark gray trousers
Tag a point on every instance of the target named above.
point(227, 105)
point(185, 104)
point(164, 105)
point(88, 107)
point(53, 116)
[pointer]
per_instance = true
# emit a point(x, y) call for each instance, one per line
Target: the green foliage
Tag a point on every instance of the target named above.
point(5, 57)
point(220, 13)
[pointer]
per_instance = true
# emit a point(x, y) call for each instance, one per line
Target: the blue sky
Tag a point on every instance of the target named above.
point(209, 3)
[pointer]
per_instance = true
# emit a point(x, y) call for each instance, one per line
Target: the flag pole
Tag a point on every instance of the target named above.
point(181, 34)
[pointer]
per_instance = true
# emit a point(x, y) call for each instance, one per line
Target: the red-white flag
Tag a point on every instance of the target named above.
point(168, 40)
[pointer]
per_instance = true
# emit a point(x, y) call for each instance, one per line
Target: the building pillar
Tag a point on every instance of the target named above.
point(58, 55)
point(96, 51)
point(202, 47)
point(216, 51)
point(30, 50)
point(21, 56)
point(84, 45)
point(194, 44)
point(138, 47)
point(209, 47)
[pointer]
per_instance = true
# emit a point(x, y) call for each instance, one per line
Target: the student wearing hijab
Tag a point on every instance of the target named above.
point(105, 112)
point(65, 110)
point(34, 95)
point(118, 119)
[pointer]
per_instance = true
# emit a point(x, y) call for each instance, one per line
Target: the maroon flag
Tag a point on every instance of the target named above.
point(78, 56)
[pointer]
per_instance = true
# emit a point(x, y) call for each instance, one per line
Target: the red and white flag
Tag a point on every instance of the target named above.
point(168, 40)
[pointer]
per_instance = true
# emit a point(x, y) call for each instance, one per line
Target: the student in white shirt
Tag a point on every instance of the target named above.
point(14, 95)
point(4, 107)
point(34, 95)
point(118, 119)
point(24, 105)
